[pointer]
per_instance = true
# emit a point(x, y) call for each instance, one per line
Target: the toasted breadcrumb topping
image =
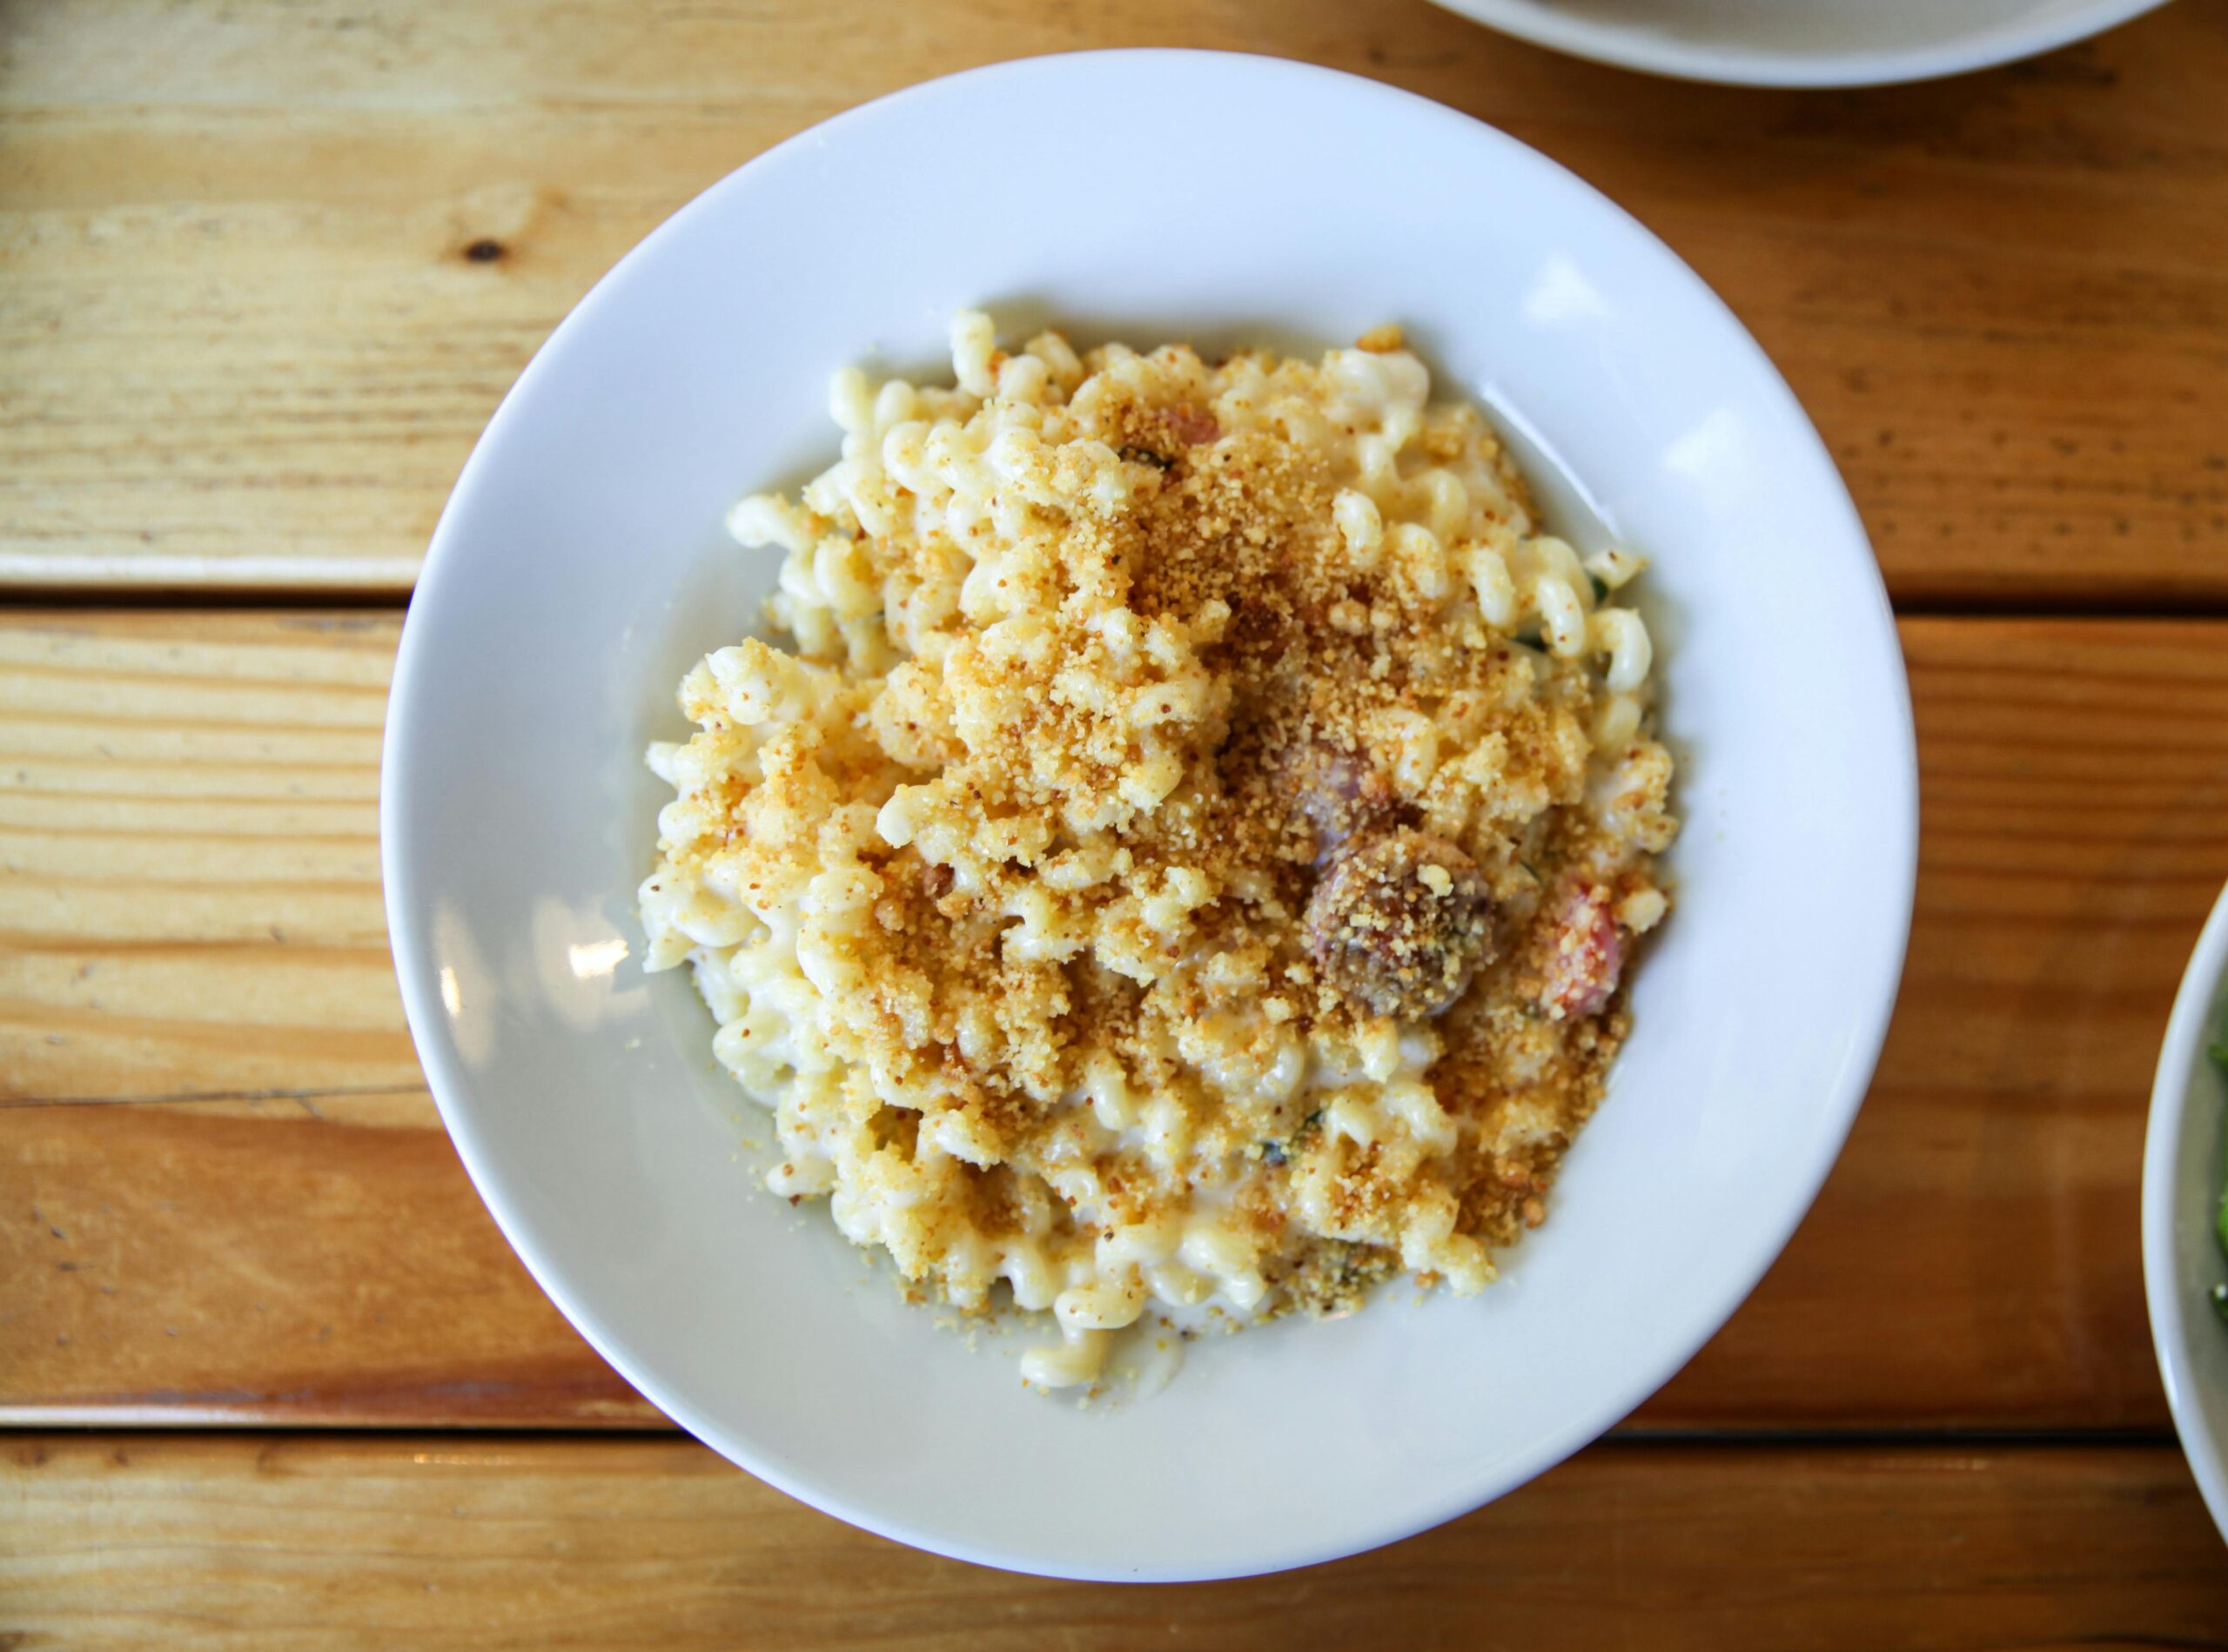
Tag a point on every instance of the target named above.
point(1186, 853)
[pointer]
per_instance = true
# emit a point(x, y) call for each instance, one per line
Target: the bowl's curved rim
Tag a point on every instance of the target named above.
point(1898, 847)
point(1623, 47)
point(2162, 1283)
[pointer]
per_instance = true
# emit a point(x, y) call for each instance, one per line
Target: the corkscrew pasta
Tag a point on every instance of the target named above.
point(1186, 855)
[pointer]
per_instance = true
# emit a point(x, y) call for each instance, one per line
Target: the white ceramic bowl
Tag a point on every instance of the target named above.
point(2182, 1157)
point(1802, 43)
point(580, 567)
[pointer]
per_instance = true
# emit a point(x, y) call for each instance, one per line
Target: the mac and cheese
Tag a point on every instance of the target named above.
point(1189, 852)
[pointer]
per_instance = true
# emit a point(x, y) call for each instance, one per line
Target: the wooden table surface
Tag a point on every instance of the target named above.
point(270, 1375)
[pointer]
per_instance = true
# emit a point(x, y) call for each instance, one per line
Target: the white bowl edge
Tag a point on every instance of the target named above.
point(1621, 47)
point(480, 1156)
point(2169, 1293)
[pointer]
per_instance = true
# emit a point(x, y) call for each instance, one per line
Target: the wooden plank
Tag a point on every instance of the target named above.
point(1974, 1257)
point(237, 1257)
point(300, 1261)
point(310, 1543)
point(263, 276)
point(245, 1207)
point(189, 857)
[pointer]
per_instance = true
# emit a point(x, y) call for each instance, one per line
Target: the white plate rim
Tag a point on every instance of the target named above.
point(450, 1087)
point(1624, 47)
point(2186, 1032)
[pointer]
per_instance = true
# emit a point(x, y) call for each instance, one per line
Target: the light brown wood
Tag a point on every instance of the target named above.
point(266, 1222)
point(300, 1260)
point(264, 275)
point(306, 1544)
point(245, 340)
point(245, 1207)
point(189, 857)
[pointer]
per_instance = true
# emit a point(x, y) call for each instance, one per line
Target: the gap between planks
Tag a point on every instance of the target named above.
point(124, 599)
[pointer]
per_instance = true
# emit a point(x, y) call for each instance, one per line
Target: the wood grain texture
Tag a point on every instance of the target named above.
point(306, 1544)
point(189, 857)
point(305, 1260)
point(265, 1221)
point(264, 274)
point(245, 1205)
point(1974, 1257)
